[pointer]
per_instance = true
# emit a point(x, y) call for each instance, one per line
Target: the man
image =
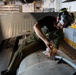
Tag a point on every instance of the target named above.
point(47, 29)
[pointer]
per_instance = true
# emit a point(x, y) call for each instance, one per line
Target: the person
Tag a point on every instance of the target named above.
point(48, 32)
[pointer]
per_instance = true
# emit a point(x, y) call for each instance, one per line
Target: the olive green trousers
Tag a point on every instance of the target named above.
point(29, 45)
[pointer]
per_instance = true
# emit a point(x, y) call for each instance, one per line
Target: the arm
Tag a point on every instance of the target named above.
point(40, 34)
point(56, 43)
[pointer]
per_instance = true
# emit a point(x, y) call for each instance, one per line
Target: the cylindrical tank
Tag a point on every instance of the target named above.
point(38, 64)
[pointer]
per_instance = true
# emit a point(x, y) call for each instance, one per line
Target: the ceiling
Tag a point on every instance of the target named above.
point(27, 1)
point(68, 1)
point(30, 1)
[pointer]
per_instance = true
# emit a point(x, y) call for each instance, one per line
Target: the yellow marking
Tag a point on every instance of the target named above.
point(73, 26)
point(68, 53)
point(70, 42)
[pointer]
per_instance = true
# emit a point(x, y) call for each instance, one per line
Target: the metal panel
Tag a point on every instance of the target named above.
point(38, 64)
point(5, 26)
point(22, 24)
point(47, 68)
point(12, 25)
point(68, 33)
point(31, 60)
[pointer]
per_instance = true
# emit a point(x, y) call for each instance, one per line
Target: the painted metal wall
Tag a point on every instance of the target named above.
point(12, 25)
point(70, 36)
point(70, 5)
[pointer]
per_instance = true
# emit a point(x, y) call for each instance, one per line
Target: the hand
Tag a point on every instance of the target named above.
point(51, 52)
point(48, 44)
point(48, 54)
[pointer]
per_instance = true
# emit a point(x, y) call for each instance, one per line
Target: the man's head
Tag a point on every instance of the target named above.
point(65, 20)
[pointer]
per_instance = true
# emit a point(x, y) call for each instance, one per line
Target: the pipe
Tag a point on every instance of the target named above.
point(67, 61)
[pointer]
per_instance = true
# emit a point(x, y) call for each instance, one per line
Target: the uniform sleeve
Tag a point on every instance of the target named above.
point(58, 39)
